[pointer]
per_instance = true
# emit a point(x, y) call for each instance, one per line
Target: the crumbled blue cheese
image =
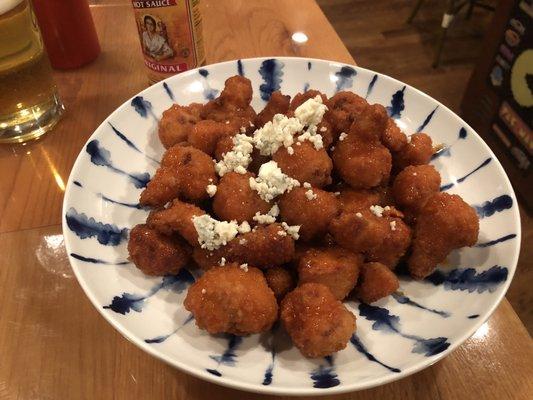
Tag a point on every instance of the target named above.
point(213, 233)
point(268, 218)
point(264, 218)
point(342, 136)
point(244, 267)
point(281, 130)
point(282, 233)
point(311, 111)
point(274, 210)
point(240, 169)
point(211, 190)
point(242, 241)
point(238, 158)
point(311, 135)
point(292, 230)
point(307, 185)
point(408, 139)
point(276, 133)
point(310, 195)
point(244, 227)
point(222, 262)
point(323, 129)
point(377, 210)
point(359, 215)
point(393, 225)
point(271, 182)
point(310, 114)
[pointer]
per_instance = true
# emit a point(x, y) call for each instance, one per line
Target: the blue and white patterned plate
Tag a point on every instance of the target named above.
point(395, 337)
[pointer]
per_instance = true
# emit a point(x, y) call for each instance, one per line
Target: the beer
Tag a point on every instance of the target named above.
point(29, 104)
point(170, 32)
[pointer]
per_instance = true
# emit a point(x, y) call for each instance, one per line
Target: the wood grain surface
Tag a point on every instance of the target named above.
point(53, 343)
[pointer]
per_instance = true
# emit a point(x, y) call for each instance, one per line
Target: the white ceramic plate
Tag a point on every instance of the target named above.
point(395, 337)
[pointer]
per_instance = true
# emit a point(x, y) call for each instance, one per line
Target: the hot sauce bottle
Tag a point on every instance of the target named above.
point(170, 32)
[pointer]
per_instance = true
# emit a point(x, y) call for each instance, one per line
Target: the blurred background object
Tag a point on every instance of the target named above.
point(498, 101)
point(377, 35)
point(453, 8)
point(29, 103)
point(68, 32)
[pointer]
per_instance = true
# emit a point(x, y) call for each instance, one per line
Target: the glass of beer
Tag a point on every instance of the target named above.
point(29, 103)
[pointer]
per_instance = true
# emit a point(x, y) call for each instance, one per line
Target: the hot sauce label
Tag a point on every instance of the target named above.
point(153, 3)
point(170, 36)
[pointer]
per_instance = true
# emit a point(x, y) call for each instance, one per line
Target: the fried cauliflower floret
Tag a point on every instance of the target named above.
point(177, 218)
point(224, 145)
point(264, 247)
point(236, 200)
point(354, 200)
point(333, 267)
point(205, 135)
point(233, 104)
point(362, 164)
point(376, 281)
point(393, 138)
point(184, 173)
point(414, 185)
point(244, 119)
point(417, 152)
point(394, 244)
point(359, 231)
point(318, 324)
point(237, 92)
point(278, 104)
point(305, 164)
point(280, 280)
point(343, 109)
point(360, 159)
point(232, 300)
point(443, 224)
point(383, 238)
point(154, 253)
point(371, 124)
point(177, 122)
point(311, 208)
point(301, 98)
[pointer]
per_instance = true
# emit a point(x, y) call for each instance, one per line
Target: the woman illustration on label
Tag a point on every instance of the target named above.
point(155, 45)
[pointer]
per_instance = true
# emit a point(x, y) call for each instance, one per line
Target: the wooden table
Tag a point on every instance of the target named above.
point(53, 343)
